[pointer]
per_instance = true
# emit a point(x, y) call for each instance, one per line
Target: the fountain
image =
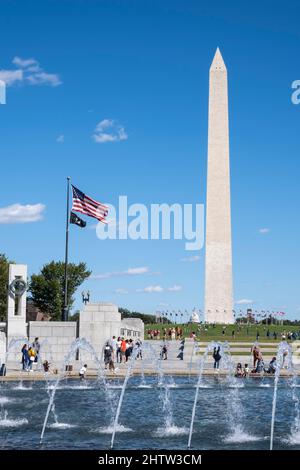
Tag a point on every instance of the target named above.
point(202, 361)
point(295, 427)
point(141, 349)
point(129, 370)
point(234, 406)
point(284, 360)
point(13, 344)
point(195, 351)
point(163, 386)
point(78, 344)
point(232, 398)
point(4, 420)
point(229, 413)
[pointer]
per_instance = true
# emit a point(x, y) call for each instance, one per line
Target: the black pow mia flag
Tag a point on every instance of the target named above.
point(74, 219)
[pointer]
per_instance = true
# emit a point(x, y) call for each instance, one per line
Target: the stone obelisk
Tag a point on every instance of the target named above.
point(218, 257)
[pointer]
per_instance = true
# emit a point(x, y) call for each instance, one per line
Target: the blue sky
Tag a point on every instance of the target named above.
point(145, 65)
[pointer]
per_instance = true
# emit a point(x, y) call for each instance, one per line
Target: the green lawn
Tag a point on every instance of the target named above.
point(242, 332)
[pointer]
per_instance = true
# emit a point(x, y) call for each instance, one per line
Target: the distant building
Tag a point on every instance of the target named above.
point(33, 313)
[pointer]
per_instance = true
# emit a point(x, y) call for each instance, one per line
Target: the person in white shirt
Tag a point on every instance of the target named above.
point(114, 347)
point(118, 348)
point(82, 372)
point(246, 371)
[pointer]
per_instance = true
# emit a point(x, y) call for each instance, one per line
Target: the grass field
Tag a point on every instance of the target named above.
point(241, 332)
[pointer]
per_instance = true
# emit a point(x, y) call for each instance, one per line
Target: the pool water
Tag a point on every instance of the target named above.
point(152, 416)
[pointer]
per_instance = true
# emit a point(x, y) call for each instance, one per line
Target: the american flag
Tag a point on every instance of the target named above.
point(86, 205)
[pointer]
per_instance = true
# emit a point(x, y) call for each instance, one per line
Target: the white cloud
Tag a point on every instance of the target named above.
point(34, 68)
point(20, 214)
point(128, 272)
point(155, 289)
point(243, 301)
point(151, 289)
point(263, 231)
point(43, 78)
point(134, 271)
point(60, 139)
point(104, 275)
point(121, 291)
point(10, 77)
point(24, 63)
point(174, 288)
point(109, 130)
point(191, 259)
point(28, 72)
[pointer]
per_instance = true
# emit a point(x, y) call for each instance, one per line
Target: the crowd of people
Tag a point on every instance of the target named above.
point(258, 363)
point(115, 351)
point(284, 335)
point(238, 330)
point(119, 350)
point(30, 355)
point(166, 333)
point(258, 330)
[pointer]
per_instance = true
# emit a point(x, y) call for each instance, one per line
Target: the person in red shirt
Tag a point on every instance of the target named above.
point(123, 350)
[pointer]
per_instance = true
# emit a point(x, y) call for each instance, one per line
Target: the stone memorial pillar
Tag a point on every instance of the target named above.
point(16, 310)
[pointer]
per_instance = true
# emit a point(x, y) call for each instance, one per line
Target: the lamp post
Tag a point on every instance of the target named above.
point(85, 297)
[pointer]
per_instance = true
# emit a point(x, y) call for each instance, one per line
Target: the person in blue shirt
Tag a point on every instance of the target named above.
point(272, 366)
point(25, 357)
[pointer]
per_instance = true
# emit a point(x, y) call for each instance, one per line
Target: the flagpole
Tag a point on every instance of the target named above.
point(65, 311)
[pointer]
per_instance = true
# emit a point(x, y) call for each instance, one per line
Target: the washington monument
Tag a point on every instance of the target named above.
point(218, 258)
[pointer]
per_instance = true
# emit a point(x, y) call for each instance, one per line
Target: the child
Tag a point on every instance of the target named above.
point(239, 371)
point(246, 370)
point(31, 354)
point(217, 357)
point(82, 372)
point(46, 366)
point(164, 352)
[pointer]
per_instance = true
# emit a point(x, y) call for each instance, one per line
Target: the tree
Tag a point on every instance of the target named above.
point(4, 264)
point(47, 288)
point(75, 316)
point(125, 313)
